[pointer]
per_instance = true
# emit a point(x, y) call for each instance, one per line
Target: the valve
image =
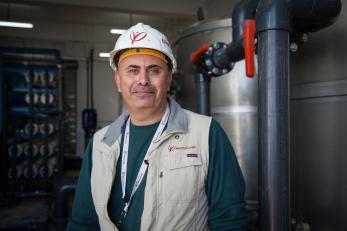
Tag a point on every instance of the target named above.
point(218, 58)
point(203, 58)
point(249, 47)
point(195, 56)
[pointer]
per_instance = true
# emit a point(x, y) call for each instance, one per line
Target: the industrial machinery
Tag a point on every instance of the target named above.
point(279, 27)
point(233, 99)
point(30, 121)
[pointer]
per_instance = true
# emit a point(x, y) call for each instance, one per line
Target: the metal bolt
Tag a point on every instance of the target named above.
point(225, 71)
point(208, 62)
point(293, 47)
point(215, 45)
point(215, 70)
point(210, 50)
point(304, 37)
point(293, 221)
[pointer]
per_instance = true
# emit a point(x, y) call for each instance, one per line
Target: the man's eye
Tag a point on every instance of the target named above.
point(133, 71)
point(154, 70)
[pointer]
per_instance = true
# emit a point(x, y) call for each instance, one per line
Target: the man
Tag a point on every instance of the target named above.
point(158, 166)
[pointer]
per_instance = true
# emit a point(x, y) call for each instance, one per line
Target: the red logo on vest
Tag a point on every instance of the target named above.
point(138, 36)
point(175, 148)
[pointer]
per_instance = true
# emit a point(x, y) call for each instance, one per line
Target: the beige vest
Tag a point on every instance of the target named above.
point(175, 197)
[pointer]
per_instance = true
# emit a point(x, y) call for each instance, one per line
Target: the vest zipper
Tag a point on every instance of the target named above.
point(158, 192)
point(160, 175)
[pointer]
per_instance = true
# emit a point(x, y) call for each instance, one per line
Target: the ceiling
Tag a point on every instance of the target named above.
point(89, 21)
point(71, 22)
point(177, 8)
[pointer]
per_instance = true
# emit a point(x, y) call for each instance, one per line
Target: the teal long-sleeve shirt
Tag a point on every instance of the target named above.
point(225, 185)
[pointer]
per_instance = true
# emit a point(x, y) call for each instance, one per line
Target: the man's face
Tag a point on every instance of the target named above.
point(143, 81)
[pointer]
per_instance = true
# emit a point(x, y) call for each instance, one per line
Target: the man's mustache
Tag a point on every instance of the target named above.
point(146, 89)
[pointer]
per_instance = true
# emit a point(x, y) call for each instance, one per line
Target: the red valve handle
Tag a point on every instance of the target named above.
point(248, 46)
point(194, 57)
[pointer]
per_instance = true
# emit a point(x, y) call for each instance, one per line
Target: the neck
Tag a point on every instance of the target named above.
point(147, 117)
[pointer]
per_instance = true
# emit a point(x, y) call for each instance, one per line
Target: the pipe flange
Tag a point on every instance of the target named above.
point(212, 68)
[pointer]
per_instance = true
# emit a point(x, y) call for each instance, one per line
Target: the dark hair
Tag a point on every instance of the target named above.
point(169, 63)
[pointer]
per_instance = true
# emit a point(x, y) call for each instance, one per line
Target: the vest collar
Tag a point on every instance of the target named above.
point(178, 122)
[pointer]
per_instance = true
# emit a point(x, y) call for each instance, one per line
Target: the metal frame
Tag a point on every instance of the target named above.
point(29, 59)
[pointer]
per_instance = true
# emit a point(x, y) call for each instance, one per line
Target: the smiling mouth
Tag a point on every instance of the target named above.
point(143, 93)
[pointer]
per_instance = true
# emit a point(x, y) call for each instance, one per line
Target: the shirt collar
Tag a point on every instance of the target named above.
point(178, 122)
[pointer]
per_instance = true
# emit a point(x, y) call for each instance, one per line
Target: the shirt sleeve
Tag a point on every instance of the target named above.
point(225, 186)
point(83, 215)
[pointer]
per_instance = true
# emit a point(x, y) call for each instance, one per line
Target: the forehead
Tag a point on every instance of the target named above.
point(142, 61)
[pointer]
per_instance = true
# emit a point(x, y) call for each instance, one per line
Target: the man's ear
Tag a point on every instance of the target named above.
point(117, 80)
point(169, 81)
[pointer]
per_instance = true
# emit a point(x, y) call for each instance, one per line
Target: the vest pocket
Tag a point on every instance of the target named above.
point(182, 186)
point(183, 160)
point(182, 177)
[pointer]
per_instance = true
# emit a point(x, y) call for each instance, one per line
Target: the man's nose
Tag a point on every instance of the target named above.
point(144, 78)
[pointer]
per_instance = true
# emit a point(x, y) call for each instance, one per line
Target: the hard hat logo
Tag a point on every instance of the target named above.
point(138, 36)
point(164, 41)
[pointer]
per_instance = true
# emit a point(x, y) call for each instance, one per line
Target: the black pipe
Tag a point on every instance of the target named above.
point(91, 78)
point(200, 14)
point(275, 20)
point(232, 53)
point(66, 186)
point(244, 9)
point(202, 83)
point(305, 16)
point(313, 15)
point(273, 130)
point(273, 24)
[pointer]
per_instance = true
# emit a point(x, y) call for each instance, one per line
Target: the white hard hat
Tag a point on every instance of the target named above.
point(143, 36)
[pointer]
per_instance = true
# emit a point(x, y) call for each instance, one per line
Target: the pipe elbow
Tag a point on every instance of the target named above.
point(310, 16)
point(244, 9)
point(273, 15)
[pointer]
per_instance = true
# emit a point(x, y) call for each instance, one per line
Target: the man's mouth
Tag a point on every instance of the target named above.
point(143, 93)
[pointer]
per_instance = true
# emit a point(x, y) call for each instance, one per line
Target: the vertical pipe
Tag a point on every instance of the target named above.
point(60, 157)
point(202, 84)
point(273, 58)
point(273, 25)
point(1, 97)
point(2, 123)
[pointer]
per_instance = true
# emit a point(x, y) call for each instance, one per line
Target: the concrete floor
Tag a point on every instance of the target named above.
point(28, 214)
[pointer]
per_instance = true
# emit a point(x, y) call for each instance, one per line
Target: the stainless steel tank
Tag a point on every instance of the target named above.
point(233, 98)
